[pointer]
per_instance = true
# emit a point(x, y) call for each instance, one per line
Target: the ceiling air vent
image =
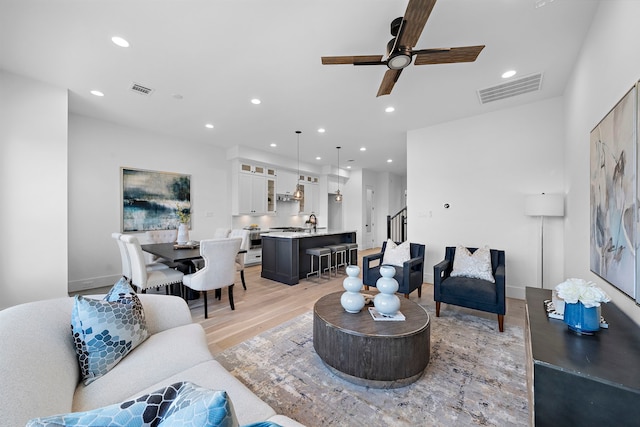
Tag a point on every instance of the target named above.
point(514, 87)
point(137, 88)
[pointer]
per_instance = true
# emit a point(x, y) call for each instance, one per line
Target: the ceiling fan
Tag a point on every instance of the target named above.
point(406, 32)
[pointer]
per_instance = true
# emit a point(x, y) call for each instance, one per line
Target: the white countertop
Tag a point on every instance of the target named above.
point(304, 234)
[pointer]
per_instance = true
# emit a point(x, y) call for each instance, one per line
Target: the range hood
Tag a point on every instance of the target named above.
point(285, 198)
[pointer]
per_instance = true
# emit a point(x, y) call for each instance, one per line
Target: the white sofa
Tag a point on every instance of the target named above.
point(40, 374)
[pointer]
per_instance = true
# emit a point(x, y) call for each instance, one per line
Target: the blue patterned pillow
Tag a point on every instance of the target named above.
point(182, 404)
point(104, 331)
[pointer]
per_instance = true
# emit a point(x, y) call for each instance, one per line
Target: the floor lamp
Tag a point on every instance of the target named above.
point(543, 205)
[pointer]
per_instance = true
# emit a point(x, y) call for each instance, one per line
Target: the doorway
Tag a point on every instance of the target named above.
point(370, 219)
point(334, 220)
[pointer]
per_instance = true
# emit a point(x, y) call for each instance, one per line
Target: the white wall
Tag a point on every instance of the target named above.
point(353, 205)
point(97, 151)
point(483, 166)
point(33, 190)
point(608, 66)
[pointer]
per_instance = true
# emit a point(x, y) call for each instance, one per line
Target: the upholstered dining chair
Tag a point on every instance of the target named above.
point(219, 268)
point(409, 272)
point(160, 236)
point(470, 289)
point(124, 257)
point(244, 235)
point(142, 277)
point(221, 233)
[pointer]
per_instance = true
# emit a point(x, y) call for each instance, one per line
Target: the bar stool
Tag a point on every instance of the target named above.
point(319, 253)
point(337, 250)
point(352, 253)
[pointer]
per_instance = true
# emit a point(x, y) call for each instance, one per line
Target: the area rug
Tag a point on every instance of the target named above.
point(476, 376)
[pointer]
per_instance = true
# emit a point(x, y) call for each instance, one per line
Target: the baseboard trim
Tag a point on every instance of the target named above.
point(92, 283)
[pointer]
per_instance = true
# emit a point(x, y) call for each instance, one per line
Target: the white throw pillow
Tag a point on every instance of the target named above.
point(396, 254)
point(476, 265)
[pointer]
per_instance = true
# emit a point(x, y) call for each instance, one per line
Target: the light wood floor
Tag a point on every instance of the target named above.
point(266, 304)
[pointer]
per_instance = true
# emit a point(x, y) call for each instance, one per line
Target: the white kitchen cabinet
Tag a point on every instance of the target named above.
point(252, 194)
point(252, 168)
point(253, 189)
point(271, 194)
point(311, 202)
point(286, 183)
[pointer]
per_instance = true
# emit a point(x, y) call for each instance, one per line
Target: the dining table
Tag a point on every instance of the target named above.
point(178, 253)
point(173, 252)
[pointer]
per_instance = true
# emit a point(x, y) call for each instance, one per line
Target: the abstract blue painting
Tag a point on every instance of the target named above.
point(614, 196)
point(151, 199)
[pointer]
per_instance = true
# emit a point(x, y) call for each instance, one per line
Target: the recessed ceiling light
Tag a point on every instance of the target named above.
point(508, 74)
point(273, 144)
point(255, 101)
point(389, 110)
point(120, 41)
point(389, 160)
point(97, 93)
point(363, 148)
point(209, 126)
point(318, 158)
point(321, 130)
point(348, 167)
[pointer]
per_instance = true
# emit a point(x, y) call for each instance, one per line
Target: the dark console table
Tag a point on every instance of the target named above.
point(579, 380)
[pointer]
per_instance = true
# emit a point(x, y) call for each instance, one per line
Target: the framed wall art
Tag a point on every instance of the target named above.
point(151, 199)
point(614, 196)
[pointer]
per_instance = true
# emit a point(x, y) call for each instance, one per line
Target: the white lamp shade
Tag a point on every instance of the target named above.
point(544, 205)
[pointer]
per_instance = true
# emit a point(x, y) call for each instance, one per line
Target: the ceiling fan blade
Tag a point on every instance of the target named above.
point(355, 60)
point(447, 55)
point(390, 78)
point(416, 16)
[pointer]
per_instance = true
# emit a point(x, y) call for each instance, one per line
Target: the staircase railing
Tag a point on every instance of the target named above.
point(397, 226)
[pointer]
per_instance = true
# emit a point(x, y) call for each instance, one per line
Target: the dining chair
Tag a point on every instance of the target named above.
point(244, 235)
point(219, 268)
point(221, 233)
point(124, 257)
point(142, 277)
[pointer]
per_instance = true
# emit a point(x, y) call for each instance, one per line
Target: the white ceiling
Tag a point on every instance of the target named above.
point(219, 54)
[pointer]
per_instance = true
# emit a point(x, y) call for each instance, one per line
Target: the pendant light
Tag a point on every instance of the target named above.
point(338, 195)
point(298, 195)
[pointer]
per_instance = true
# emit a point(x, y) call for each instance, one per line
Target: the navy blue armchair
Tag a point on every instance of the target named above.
point(409, 277)
point(477, 294)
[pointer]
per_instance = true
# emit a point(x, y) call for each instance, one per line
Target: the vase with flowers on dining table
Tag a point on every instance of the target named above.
point(184, 214)
point(582, 301)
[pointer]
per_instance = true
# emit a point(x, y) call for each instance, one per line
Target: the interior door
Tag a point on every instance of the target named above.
point(368, 240)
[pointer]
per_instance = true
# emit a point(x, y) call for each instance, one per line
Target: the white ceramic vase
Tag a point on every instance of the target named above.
point(183, 234)
point(386, 302)
point(352, 300)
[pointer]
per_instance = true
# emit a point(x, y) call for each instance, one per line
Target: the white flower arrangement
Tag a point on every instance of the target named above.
point(574, 290)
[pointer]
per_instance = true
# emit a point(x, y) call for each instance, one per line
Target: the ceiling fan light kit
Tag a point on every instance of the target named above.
point(406, 31)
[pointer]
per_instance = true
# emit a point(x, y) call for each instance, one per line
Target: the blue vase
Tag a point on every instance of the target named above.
point(581, 319)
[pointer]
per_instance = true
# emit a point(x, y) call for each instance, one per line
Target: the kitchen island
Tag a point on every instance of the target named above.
point(284, 257)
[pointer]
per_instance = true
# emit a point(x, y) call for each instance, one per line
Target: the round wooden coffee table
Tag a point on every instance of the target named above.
point(380, 354)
